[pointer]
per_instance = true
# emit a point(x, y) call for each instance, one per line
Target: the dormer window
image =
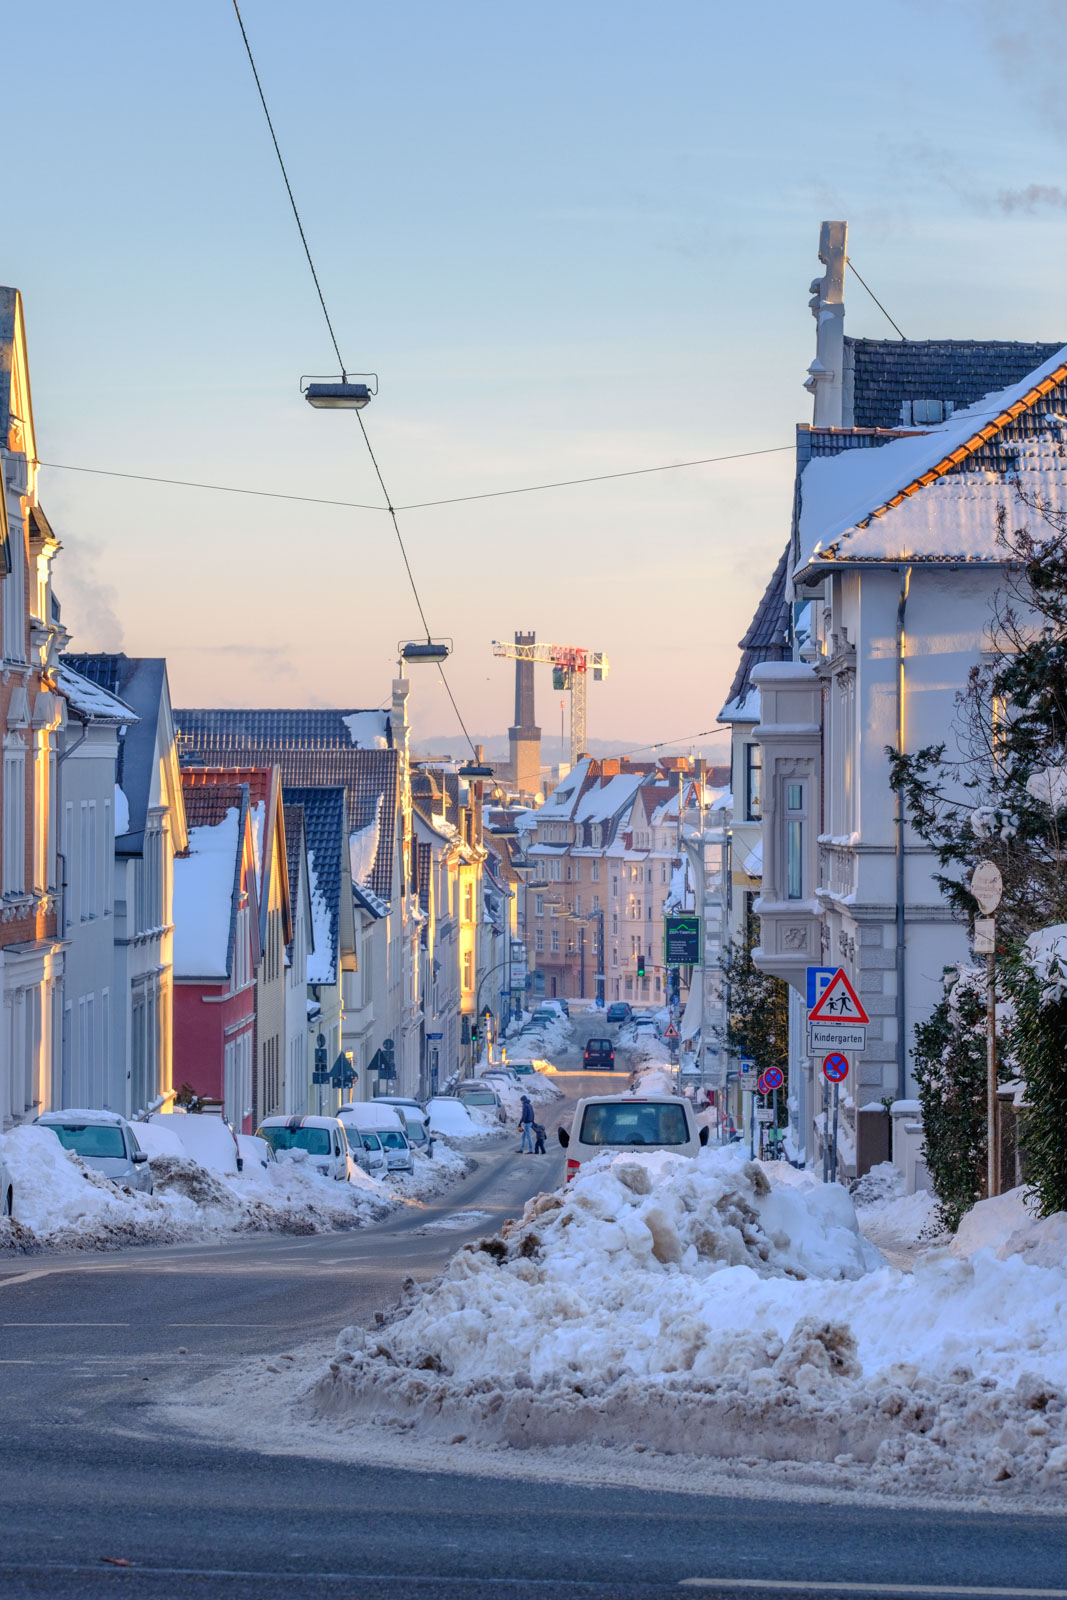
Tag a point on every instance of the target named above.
point(923, 413)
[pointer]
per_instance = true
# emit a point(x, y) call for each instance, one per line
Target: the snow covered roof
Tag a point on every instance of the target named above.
point(863, 504)
point(324, 831)
point(89, 699)
point(141, 683)
point(311, 748)
point(207, 883)
point(888, 375)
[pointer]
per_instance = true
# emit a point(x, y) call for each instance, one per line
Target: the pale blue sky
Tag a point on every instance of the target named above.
point(570, 238)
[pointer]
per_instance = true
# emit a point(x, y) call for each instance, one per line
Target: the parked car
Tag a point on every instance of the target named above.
point(644, 1022)
point(619, 1011)
point(205, 1137)
point(496, 1075)
point(560, 1007)
point(105, 1141)
point(322, 1142)
point(363, 1117)
point(522, 1069)
point(371, 1157)
point(398, 1156)
point(483, 1095)
point(543, 1016)
point(416, 1121)
point(255, 1152)
point(7, 1190)
point(599, 1055)
point(639, 1123)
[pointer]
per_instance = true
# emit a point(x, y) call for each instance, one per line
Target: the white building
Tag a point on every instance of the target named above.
point(894, 564)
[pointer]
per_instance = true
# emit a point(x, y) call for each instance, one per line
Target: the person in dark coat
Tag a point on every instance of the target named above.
point(526, 1121)
point(539, 1139)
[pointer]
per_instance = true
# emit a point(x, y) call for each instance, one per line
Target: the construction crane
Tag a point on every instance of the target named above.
point(571, 666)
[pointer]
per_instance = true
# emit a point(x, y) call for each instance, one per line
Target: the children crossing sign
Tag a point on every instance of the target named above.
point(838, 1020)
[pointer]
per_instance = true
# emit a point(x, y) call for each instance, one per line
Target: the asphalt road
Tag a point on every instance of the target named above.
point(87, 1480)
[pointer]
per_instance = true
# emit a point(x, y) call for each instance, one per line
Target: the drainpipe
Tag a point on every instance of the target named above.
point(902, 1051)
point(61, 756)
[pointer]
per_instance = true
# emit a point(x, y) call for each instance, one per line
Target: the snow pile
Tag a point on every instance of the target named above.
point(897, 1223)
point(63, 1204)
point(668, 1303)
point(1007, 1226)
point(433, 1174)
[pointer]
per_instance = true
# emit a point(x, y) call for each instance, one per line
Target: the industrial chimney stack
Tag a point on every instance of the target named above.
point(525, 736)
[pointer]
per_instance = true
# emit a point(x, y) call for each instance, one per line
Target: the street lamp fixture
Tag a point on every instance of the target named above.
point(420, 650)
point(476, 769)
point(338, 394)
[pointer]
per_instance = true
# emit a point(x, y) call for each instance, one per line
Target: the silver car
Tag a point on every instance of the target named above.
point(397, 1150)
point(371, 1156)
point(105, 1141)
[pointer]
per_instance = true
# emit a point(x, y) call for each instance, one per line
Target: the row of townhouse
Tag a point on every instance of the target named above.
point(604, 863)
point(230, 906)
point(882, 604)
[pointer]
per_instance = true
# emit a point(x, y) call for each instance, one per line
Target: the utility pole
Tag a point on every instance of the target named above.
point(987, 886)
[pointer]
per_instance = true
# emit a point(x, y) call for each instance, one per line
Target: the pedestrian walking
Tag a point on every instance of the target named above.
point(526, 1122)
point(539, 1139)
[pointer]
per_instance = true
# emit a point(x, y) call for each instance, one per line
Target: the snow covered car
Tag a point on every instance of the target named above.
point(372, 1157)
point(361, 1117)
point(320, 1141)
point(638, 1123)
point(644, 1023)
point(254, 1152)
point(398, 1156)
point(416, 1121)
point(476, 1092)
point(105, 1141)
point(205, 1136)
point(7, 1190)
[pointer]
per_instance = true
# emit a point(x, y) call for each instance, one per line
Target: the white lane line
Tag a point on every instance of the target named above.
point(64, 1324)
point(821, 1586)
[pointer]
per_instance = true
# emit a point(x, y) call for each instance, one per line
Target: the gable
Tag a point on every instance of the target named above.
point(934, 495)
point(16, 404)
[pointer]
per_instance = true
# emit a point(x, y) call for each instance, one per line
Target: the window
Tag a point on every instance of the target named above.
point(568, 872)
point(594, 870)
point(648, 911)
point(468, 902)
point(648, 875)
point(539, 905)
point(663, 873)
point(753, 779)
point(596, 902)
point(539, 939)
point(614, 922)
point(468, 970)
point(14, 803)
point(555, 937)
point(794, 841)
point(614, 886)
point(68, 851)
point(614, 958)
point(578, 904)
point(108, 845)
point(925, 411)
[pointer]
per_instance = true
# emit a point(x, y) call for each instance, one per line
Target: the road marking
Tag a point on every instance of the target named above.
point(821, 1586)
point(64, 1324)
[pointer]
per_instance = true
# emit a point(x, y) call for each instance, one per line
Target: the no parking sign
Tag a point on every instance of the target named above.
point(835, 1067)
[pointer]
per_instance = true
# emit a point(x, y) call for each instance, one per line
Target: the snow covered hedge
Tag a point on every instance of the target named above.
point(696, 1307)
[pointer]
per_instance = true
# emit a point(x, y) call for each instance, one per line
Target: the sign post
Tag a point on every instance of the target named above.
point(835, 1071)
point(987, 886)
point(837, 1023)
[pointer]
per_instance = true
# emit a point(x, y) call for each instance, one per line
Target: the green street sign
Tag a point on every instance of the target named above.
point(681, 939)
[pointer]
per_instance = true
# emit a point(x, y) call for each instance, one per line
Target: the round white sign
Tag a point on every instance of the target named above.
point(987, 886)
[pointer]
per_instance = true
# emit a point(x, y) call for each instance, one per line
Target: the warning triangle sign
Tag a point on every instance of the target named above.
point(839, 1002)
point(670, 1032)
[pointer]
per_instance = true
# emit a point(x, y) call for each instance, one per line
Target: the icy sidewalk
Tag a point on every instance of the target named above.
point(694, 1307)
point(61, 1204)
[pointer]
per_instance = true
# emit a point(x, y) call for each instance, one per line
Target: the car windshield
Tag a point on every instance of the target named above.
point(90, 1139)
point(316, 1141)
point(392, 1139)
point(478, 1097)
point(622, 1123)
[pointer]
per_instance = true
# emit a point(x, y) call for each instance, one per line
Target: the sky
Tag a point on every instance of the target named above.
point(570, 239)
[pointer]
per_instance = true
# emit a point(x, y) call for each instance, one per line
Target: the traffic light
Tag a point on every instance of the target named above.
point(640, 964)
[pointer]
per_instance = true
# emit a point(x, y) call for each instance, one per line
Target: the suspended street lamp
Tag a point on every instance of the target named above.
point(423, 650)
point(339, 394)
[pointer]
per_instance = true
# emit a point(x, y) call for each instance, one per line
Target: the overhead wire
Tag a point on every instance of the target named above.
point(344, 375)
point(418, 505)
point(875, 298)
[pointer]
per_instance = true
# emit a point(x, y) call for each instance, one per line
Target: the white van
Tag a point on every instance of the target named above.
point(631, 1122)
point(320, 1141)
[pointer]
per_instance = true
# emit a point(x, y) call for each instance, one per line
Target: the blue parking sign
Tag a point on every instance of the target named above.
point(818, 982)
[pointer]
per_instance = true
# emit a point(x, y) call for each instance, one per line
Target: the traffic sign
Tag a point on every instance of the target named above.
point(681, 940)
point(670, 1031)
point(748, 1079)
point(765, 1115)
point(835, 1067)
point(835, 1036)
point(774, 1077)
point(839, 1002)
point(818, 980)
point(762, 1084)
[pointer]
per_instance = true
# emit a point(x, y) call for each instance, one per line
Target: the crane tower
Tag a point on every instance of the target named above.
point(571, 666)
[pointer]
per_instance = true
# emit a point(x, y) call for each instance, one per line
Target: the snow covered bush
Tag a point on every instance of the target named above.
point(950, 1073)
point(1039, 1039)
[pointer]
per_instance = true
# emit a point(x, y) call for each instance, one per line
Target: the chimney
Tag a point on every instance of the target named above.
point(399, 715)
point(826, 373)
